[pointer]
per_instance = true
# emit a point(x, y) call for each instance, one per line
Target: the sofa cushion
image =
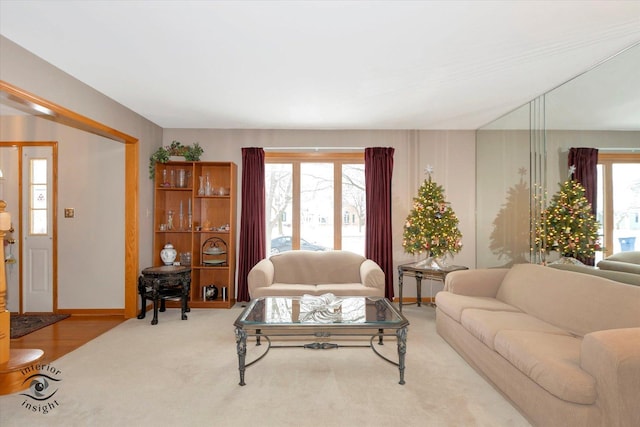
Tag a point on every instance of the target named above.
point(578, 303)
point(485, 324)
point(628, 262)
point(291, 289)
point(283, 290)
point(453, 305)
point(311, 268)
point(618, 276)
point(348, 289)
point(551, 360)
point(632, 257)
point(619, 266)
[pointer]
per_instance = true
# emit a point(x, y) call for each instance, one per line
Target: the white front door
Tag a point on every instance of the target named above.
point(37, 233)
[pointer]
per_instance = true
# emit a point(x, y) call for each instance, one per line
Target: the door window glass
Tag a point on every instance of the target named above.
point(38, 215)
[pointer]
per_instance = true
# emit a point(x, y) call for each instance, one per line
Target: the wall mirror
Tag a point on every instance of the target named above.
point(523, 155)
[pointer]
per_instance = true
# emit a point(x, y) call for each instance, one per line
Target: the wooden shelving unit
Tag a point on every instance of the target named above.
point(210, 235)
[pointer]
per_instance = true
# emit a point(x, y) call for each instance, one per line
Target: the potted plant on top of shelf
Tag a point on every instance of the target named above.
point(191, 153)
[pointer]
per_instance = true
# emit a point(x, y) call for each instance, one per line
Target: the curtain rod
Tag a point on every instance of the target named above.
point(313, 148)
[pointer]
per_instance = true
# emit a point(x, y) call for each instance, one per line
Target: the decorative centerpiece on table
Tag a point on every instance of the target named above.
point(190, 153)
point(567, 225)
point(432, 226)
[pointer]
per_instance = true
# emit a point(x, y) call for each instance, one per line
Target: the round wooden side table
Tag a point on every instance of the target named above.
point(161, 283)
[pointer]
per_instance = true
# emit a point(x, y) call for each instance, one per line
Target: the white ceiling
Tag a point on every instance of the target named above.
point(322, 64)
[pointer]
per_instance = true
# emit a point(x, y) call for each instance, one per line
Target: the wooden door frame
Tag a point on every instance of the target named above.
point(54, 241)
point(37, 105)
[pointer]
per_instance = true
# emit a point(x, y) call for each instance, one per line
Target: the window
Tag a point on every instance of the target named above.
point(315, 201)
point(38, 213)
point(618, 204)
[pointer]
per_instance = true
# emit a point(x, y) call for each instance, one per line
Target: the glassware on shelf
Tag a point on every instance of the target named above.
point(165, 179)
point(182, 178)
point(201, 187)
point(208, 188)
point(170, 220)
point(181, 218)
point(185, 258)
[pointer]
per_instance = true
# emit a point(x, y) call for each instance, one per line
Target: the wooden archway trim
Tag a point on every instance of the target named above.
point(51, 111)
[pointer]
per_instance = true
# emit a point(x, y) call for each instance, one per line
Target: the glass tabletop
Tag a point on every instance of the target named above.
point(427, 267)
point(325, 310)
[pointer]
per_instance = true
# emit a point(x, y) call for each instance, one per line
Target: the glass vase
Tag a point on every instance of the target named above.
point(201, 186)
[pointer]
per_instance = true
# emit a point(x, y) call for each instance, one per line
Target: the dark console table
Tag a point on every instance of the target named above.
point(415, 269)
point(161, 283)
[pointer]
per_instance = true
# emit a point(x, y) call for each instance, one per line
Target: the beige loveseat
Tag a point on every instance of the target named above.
point(295, 273)
point(563, 346)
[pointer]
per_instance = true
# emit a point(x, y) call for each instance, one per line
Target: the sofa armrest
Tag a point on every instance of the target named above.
point(371, 274)
point(612, 357)
point(477, 283)
point(260, 276)
point(625, 267)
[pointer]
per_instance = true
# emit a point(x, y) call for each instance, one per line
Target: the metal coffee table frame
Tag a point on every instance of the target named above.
point(372, 329)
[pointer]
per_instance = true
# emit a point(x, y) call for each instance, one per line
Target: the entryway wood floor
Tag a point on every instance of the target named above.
point(65, 336)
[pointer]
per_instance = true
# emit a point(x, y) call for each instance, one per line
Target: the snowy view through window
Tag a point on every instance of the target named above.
point(304, 195)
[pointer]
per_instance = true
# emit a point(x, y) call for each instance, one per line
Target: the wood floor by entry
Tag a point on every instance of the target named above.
point(67, 335)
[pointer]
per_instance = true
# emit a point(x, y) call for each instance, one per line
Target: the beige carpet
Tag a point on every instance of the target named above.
point(185, 373)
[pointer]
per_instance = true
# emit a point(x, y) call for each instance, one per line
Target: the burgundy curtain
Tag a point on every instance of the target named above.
point(585, 160)
point(252, 221)
point(378, 171)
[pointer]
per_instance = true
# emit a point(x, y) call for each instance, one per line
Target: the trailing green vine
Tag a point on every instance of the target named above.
point(191, 153)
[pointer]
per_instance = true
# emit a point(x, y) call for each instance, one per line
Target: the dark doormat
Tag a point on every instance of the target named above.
point(23, 324)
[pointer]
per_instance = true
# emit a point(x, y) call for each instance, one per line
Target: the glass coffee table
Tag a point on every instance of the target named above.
point(320, 317)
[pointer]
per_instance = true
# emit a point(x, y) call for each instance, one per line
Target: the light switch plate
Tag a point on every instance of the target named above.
point(69, 212)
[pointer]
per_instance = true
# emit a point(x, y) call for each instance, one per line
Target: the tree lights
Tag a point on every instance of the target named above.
point(567, 224)
point(432, 226)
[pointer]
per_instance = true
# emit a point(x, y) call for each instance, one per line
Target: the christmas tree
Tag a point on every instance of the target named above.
point(432, 226)
point(567, 224)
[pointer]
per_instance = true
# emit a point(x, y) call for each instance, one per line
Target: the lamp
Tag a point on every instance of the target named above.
point(5, 217)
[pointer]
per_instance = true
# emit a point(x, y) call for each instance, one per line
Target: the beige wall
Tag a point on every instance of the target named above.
point(90, 247)
point(96, 237)
point(560, 141)
point(451, 153)
point(90, 180)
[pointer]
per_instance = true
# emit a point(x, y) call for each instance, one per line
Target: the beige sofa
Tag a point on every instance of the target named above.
point(627, 262)
point(296, 273)
point(618, 276)
point(563, 347)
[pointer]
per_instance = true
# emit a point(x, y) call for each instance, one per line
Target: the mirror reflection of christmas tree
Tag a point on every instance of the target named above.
point(432, 226)
point(510, 236)
point(567, 225)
